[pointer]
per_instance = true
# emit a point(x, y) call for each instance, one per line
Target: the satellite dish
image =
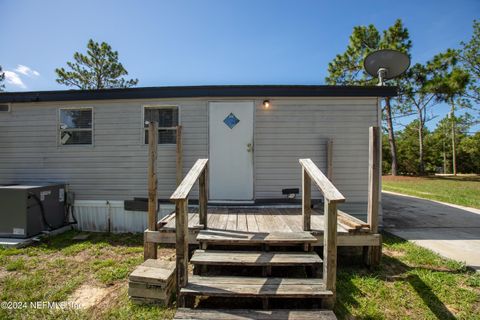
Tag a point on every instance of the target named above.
point(386, 64)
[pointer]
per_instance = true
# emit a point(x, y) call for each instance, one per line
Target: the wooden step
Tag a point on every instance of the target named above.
point(242, 314)
point(255, 287)
point(227, 237)
point(252, 258)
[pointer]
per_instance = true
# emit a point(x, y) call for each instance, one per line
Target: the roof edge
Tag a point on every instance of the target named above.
point(200, 91)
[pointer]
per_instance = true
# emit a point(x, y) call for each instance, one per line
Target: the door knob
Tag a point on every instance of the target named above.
point(249, 147)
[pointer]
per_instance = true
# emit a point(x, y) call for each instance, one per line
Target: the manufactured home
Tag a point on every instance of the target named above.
point(97, 143)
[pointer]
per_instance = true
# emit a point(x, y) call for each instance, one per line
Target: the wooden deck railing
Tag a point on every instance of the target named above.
point(180, 197)
point(310, 172)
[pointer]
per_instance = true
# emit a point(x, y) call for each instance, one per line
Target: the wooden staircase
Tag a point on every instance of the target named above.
point(263, 287)
point(250, 251)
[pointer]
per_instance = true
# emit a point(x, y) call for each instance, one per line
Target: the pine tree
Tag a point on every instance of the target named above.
point(2, 78)
point(469, 56)
point(449, 83)
point(418, 98)
point(98, 69)
point(347, 68)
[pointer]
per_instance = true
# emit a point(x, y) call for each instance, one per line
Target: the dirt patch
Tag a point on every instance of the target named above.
point(88, 295)
point(3, 273)
point(110, 300)
point(82, 256)
point(392, 253)
point(166, 254)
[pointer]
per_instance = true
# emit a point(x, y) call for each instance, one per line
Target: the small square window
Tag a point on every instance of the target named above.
point(4, 108)
point(76, 126)
point(167, 119)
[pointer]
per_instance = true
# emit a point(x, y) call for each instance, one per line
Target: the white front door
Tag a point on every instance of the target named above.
point(231, 151)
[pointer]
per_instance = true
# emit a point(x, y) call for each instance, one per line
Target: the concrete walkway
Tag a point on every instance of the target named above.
point(450, 230)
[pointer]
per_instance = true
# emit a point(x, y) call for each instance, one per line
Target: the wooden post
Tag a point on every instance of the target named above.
point(203, 198)
point(330, 249)
point(179, 162)
point(330, 159)
point(181, 227)
point(374, 253)
point(150, 249)
point(306, 200)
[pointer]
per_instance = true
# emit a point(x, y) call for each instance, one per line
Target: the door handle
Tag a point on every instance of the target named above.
point(249, 147)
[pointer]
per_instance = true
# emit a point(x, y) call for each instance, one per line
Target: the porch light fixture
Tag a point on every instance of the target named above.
point(266, 104)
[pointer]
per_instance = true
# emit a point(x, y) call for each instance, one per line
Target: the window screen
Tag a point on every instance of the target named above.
point(76, 126)
point(167, 118)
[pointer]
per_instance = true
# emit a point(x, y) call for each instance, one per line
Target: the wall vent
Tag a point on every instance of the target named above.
point(4, 108)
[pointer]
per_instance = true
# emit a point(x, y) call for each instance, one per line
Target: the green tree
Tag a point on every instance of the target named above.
point(407, 144)
point(469, 56)
point(419, 98)
point(449, 83)
point(2, 78)
point(469, 152)
point(347, 68)
point(386, 154)
point(408, 148)
point(442, 140)
point(98, 69)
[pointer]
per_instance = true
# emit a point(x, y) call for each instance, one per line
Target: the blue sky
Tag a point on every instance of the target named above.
point(214, 42)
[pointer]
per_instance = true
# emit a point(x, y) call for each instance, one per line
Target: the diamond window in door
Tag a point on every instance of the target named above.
point(231, 120)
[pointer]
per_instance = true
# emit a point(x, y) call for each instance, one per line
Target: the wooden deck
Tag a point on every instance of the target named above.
point(248, 220)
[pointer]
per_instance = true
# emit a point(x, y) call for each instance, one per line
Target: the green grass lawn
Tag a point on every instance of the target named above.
point(54, 269)
point(461, 190)
point(411, 282)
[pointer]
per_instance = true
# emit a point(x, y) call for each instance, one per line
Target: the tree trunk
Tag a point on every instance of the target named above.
point(454, 151)
point(421, 121)
point(391, 136)
point(421, 165)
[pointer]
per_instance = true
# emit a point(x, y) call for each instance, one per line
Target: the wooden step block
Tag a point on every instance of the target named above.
point(145, 290)
point(152, 282)
point(223, 237)
point(241, 314)
point(155, 272)
point(255, 287)
point(150, 301)
point(252, 258)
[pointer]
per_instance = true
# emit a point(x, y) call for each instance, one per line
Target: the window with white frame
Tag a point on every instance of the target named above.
point(167, 119)
point(76, 126)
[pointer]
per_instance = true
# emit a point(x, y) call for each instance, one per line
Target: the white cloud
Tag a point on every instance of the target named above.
point(14, 79)
point(27, 71)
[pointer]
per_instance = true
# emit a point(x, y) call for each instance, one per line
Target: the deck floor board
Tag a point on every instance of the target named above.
point(255, 220)
point(265, 220)
point(241, 221)
point(251, 222)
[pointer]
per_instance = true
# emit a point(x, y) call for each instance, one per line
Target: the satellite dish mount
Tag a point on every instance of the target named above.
point(386, 64)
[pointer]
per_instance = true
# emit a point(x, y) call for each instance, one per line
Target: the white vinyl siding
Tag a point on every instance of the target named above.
point(294, 128)
point(115, 168)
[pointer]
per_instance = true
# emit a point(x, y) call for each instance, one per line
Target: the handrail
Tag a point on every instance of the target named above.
point(183, 190)
point(330, 192)
point(310, 172)
point(180, 197)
